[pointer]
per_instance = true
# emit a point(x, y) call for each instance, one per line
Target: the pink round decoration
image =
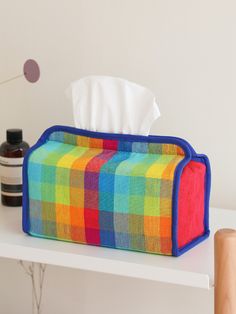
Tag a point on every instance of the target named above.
point(31, 71)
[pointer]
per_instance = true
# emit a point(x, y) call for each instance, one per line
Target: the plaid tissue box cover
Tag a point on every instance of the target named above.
point(142, 193)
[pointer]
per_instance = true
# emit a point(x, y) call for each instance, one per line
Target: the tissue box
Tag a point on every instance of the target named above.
point(141, 193)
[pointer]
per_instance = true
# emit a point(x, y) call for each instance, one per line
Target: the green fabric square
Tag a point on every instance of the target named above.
point(48, 211)
point(165, 159)
point(151, 206)
point(136, 185)
point(136, 204)
point(54, 156)
point(70, 138)
point(152, 187)
point(63, 176)
point(48, 174)
point(138, 242)
point(48, 192)
point(50, 229)
point(154, 148)
point(136, 224)
point(62, 194)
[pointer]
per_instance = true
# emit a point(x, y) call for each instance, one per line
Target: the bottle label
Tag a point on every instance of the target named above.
point(11, 176)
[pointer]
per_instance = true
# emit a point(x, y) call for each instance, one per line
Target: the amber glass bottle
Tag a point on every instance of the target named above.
point(11, 160)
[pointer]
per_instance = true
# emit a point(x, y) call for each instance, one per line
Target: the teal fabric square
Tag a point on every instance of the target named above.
point(139, 147)
point(35, 190)
point(121, 203)
point(34, 172)
point(48, 174)
point(121, 184)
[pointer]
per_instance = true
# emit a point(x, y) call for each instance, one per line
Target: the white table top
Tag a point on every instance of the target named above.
point(194, 268)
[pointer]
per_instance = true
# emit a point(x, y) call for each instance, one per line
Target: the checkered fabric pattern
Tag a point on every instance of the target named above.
point(103, 192)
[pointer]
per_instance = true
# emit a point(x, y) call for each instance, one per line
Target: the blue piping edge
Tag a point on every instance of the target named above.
point(179, 251)
point(190, 154)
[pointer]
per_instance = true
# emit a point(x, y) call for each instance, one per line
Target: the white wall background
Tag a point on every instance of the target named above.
point(183, 50)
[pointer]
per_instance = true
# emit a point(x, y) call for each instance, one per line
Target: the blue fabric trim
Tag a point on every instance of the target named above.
point(189, 151)
point(25, 199)
point(177, 177)
point(193, 243)
point(179, 251)
point(190, 154)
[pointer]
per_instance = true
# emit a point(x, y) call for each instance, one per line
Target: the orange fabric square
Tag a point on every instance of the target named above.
point(78, 234)
point(169, 171)
point(77, 197)
point(180, 151)
point(151, 226)
point(64, 231)
point(165, 227)
point(152, 244)
point(77, 216)
point(166, 246)
point(83, 141)
point(95, 143)
point(63, 214)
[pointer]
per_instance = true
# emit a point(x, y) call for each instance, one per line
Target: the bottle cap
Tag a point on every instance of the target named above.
point(14, 136)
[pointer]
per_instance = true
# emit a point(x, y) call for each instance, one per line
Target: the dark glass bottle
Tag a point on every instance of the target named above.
point(11, 160)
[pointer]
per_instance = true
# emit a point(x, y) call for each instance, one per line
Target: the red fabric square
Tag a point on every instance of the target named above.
point(91, 218)
point(110, 144)
point(191, 203)
point(93, 236)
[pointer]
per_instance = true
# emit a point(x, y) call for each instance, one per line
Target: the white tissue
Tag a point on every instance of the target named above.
point(113, 105)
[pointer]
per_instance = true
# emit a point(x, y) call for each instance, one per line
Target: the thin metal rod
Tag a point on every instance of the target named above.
point(11, 79)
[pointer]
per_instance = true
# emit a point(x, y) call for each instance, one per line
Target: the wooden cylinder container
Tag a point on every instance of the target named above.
point(225, 271)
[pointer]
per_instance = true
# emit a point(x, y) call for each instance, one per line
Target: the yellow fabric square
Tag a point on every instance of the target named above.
point(169, 171)
point(165, 207)
point(156, 171)
point(83, 141)
point(63, 214)
point(151, 206)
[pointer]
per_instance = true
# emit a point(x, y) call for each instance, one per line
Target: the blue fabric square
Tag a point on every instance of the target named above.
point(125, 146)
point(34, 172)
point(106, 220)
point(107, 238)
point(122, 240)
point(106, 201)
point(57, 136)
point(111, 165)
point(35, 209)
point(139, 147)
point(106, 182)
point(36, 226)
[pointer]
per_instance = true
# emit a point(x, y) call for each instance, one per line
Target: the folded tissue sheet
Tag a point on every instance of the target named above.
point(112, 105)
